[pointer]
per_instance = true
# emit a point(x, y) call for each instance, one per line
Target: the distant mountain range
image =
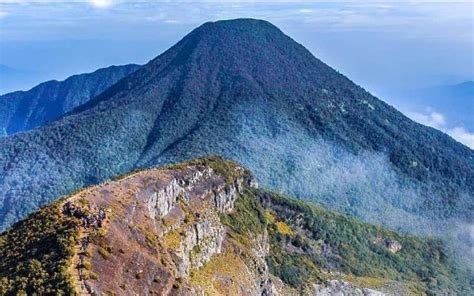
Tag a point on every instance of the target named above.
point(203, 228)
point(245, 90)
point(24, 110)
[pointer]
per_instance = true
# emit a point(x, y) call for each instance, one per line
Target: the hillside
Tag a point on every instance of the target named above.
point(25, 110)
point(203, 226)
point(245, 90)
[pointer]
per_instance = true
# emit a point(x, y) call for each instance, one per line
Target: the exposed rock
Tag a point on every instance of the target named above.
point(166, 224)
point(341, 288)
point(199, 243)
point(393, 245)
point(164, 199)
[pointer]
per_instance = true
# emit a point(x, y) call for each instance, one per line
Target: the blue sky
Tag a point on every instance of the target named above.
point(387, 47)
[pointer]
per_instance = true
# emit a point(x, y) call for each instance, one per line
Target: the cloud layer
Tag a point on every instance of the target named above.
point(438, 121)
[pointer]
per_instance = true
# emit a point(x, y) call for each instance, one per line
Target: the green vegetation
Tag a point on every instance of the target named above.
point(35, 254)
point(308, 244)
point(247, 220)
point(47, 101)
point(311, 244)
point(344, 244)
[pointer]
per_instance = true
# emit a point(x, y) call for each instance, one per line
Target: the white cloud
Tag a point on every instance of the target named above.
point(101, 3)
point(171, 21)
point(463, 136)
point(438, 121)
point(433, 119)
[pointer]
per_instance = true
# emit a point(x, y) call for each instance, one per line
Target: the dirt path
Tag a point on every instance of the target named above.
point(76, 268)
point(90, 222)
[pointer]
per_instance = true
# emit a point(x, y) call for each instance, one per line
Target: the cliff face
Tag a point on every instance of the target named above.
point(160, 227)
point(203, 228)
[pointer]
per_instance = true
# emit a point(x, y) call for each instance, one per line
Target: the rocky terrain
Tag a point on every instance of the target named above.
point(204, 228)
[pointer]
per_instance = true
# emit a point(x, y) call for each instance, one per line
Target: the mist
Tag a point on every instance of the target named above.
point(365, 185)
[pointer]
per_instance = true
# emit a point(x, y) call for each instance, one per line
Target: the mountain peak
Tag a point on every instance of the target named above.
point(244, 90)
point(238, 38)
point(240, 25)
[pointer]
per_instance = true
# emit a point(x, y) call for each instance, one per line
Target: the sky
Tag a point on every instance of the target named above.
point(387, 47)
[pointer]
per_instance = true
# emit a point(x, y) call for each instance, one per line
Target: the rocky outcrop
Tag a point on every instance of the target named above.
point(393, 245)
point(163, 225)
point(260, 251)
point(164, 199)
point(341, 288)
point(200, 242)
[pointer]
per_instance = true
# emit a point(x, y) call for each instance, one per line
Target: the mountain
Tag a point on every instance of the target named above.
point(244, 90)
point(25, 110)
point(204, 228)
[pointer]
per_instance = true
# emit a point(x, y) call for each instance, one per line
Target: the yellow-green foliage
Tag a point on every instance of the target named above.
point(365, 281)
point(270, 217)
point(284, 228)
point(35, 254)
point(172, 240)
point(104, 253)
point(280, 226)
point(325, 241)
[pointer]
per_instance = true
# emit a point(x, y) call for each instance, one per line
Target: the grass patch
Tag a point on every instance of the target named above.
point(227, 266)
point(172, 240)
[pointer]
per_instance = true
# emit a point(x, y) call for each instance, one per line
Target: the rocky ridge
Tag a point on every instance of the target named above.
point(203, 228)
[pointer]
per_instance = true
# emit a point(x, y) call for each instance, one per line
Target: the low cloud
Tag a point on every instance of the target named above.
point(438, 121)
point(433, 119)
point(463, 136)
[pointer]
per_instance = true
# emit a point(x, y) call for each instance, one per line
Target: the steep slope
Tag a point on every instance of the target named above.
point(204, 227)
point(24, 110)
point(244, 90)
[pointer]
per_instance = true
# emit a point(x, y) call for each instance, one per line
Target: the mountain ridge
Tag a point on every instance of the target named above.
point(246, 91)
point(24, 110)
point(205, 227)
